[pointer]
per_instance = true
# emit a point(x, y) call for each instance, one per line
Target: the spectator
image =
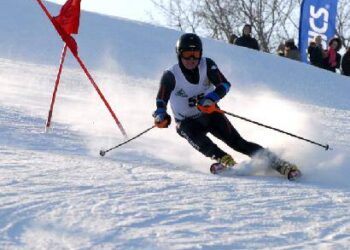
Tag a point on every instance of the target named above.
point(280, 49)
point(246, 40)
point(346, 63)
point(232, 38)
point(332, 59)
point(291, 51)
point(316, 53)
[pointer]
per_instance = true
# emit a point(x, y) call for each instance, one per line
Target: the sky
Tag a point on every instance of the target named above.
point(121, 8)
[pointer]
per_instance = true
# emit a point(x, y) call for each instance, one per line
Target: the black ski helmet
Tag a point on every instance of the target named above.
point(188, 41)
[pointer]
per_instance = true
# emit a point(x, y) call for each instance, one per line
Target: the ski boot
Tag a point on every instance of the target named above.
point(287, 169)
point(225, 162)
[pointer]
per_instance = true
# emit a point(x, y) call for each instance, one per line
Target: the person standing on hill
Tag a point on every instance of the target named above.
point(332, 59)
point(246, 40)
point(316, 53)
point(194, 86)
point(345, 64)
point(291, 51)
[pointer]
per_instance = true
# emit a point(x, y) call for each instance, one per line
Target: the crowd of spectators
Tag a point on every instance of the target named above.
point(329, 58)
point(325, 58)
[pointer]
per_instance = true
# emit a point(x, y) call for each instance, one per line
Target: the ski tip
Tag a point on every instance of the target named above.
point(216, 168)
point(294, 175)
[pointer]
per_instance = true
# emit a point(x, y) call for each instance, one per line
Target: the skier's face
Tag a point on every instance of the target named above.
point(190, 58)
point(190, 63)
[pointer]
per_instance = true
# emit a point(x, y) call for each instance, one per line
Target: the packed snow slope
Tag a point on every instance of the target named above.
point(156, 192)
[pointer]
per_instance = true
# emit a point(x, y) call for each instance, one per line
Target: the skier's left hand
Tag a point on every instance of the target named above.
point(207, 106)
point(205, 102)
point(208, 103)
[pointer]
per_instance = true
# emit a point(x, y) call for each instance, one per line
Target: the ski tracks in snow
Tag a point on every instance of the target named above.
point(58, 201)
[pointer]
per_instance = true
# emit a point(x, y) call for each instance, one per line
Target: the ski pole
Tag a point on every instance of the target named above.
point(103, 152)
point(326, 147)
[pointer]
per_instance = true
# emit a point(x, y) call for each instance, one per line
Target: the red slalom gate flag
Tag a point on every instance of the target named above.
point(68, 39)
point(69, 16)
point(67, 23)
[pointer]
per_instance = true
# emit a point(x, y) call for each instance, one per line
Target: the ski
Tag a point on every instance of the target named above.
point(217, 168)
point(294, 175)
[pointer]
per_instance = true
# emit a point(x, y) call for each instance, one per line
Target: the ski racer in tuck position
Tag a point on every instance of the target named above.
point(194, 86)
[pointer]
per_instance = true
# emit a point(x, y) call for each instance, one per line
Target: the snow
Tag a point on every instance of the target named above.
point(156, 192)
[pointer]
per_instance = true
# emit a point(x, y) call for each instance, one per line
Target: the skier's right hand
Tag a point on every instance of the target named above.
point(208, 103)
point(161, 118)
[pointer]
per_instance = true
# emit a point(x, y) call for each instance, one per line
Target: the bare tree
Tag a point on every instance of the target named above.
point(272, 21)
point(180, 14)
point(268, 19)
point(343, 22)
point(221, 18)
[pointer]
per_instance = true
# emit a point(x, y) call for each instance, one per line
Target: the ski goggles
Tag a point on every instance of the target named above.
point(188, 54)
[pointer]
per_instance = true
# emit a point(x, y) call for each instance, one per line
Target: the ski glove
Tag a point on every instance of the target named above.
point(161, 118)
point(208, 103)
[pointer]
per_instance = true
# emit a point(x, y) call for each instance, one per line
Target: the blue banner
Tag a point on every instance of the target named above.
point(317, 17)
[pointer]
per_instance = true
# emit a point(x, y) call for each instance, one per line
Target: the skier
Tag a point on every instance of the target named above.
point(194, 86)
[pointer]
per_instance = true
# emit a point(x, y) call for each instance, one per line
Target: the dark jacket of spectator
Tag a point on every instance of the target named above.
point(332, 59)
point(246, 40)
point(315, 54)
point(291, 51)
point(345, 64)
